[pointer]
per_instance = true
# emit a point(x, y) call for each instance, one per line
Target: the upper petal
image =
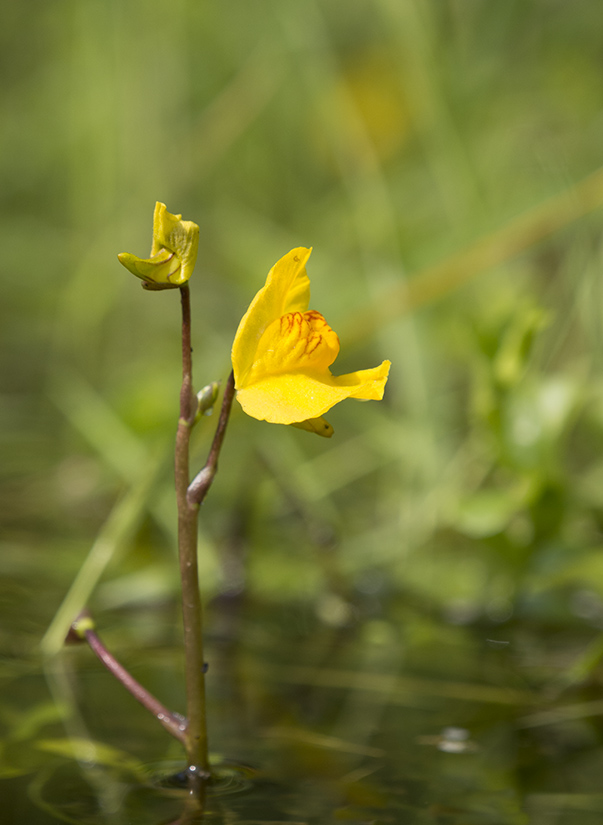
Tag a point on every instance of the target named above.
point(180, 237)
point(287, 289)
point(288, 398)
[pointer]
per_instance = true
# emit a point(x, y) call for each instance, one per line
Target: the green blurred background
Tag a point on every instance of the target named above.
point(441, 158)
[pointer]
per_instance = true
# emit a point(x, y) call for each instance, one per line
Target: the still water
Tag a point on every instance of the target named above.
point(401, 718)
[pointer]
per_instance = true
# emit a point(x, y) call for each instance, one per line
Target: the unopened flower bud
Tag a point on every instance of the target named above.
point(206, 398)
point(173, 252)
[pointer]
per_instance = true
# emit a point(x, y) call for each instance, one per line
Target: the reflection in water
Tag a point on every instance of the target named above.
point(451, 740)
point(313, 744)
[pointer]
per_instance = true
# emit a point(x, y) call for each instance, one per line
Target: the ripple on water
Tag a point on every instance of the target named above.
point(227, 777)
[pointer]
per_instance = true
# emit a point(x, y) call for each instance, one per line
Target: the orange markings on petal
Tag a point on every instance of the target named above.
point(282, 353)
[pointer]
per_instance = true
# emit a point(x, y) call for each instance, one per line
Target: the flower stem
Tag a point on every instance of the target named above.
point(190, 730)
point(192, 616)
point(189, 496)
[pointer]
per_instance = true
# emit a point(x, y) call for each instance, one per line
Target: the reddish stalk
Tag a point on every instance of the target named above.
point(172, 722)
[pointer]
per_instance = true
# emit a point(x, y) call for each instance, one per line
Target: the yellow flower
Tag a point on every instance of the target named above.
point(173, 253)
point(282, 353)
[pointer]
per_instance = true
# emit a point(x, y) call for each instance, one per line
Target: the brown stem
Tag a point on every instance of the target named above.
point(186, 390)
point(172, 722)
point(192, 616)
point(192, 732)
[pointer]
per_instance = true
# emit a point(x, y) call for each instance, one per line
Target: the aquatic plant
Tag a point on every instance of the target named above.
point(281, 357)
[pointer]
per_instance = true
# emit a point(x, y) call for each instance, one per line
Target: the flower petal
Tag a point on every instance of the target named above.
point(290, 398)
point(295, 342)
point(287, 289)
point(162, 268)
point(180, 237)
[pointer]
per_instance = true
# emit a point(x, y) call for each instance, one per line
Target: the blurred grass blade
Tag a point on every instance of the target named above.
point(562, 714)
point(400, 689)
point(491, 250)
point(320, 740)
point(90, 414)
point(88, 750)
point(582, 669)
point(236, 107)
point(116, 444)
point(113, 537)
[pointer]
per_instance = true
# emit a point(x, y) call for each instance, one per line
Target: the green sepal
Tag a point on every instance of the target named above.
point(206, 398)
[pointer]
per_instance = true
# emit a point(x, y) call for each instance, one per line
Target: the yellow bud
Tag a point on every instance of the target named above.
point(173, 252)
point(156, 272)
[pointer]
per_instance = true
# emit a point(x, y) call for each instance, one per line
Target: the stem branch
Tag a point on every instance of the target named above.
point(172, 722)
point(200, 485)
